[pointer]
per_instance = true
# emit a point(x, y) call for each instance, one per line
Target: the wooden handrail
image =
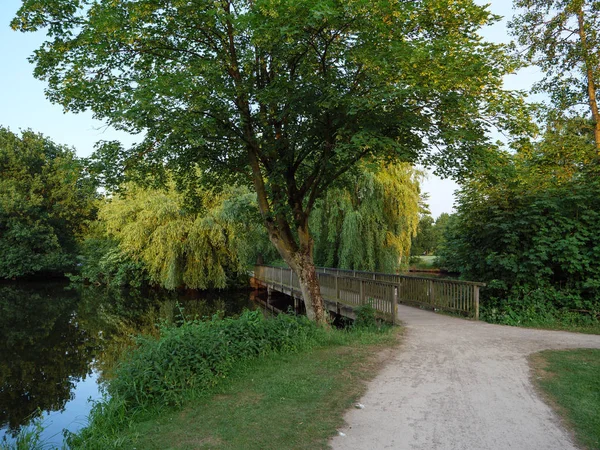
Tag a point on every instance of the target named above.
point(357, 287)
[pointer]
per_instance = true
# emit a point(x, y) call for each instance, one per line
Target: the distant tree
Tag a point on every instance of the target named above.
point(289, 95)
point(46, 202)
point(424, 242)
point(369, 226)
point(440, 227)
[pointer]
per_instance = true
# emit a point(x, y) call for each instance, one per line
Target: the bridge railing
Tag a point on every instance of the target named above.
point(383, 290)
point(438, 293)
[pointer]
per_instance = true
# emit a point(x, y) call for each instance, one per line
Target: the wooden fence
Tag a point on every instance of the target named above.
point(382, 290)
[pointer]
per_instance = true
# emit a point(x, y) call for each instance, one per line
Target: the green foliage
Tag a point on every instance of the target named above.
point(368, 226)
point(424, 242)
point(536, 247)
point(199, 354)
point(148, 234)
point(365, 317)
point(239, 91)
point(260, 404)
point(104, 263)
point(29, 438)
point(562, 38)
point(45, 204)
point(430, 234)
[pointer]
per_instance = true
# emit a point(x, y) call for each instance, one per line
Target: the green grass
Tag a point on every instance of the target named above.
point(570, 380)
point(283, 400)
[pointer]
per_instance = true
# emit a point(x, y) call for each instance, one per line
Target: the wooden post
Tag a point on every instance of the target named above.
point(395, 305)
point(361, 291)
point(476, 301)
point(431, 294)
point(337, 288)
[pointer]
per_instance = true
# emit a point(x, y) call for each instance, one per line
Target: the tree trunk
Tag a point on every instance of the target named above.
point(309, 285)
point(591, 82)
point(302, 263)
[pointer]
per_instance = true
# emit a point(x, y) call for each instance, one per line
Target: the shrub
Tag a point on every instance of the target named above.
point(537, 249)
point(198, 355)
point(365, 317)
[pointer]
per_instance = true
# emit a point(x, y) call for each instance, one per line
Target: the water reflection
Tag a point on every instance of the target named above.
point(56, 341)
point(44, 351)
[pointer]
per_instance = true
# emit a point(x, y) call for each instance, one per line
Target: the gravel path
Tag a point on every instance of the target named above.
point(459, 384)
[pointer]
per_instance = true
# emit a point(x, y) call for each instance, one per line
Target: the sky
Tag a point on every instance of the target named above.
point(23, 104)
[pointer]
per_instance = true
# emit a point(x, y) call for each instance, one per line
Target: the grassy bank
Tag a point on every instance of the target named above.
point(570, 381)
point(278, 383)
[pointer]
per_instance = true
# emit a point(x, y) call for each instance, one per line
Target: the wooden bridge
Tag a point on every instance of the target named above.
point(343, 290)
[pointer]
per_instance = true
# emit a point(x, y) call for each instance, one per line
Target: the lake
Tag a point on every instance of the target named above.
point(58, 344)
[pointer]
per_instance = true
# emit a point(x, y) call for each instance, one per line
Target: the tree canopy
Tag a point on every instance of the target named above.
point(45, 204)
point(153, 233)
point(528, 227)
point(369, 225)
point(287, 95)
point(562, 37)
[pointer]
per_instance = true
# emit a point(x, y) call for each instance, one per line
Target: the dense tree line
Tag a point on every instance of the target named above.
point(430, 234)
point(46, 203)
point(527, 223)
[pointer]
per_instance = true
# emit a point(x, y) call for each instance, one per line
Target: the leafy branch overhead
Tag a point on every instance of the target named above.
point(561, 37)
point(299, 90)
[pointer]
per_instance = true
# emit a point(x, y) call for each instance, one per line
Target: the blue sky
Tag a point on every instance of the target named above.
point(23, 104)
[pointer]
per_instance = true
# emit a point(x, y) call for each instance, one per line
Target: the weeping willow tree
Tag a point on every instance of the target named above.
point(369, 226)
point(180, 247)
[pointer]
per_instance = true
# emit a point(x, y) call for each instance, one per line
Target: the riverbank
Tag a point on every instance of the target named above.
point(296, 394)
point(283, 401)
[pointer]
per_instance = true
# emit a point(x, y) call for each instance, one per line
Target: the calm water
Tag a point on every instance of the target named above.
point(58, 344)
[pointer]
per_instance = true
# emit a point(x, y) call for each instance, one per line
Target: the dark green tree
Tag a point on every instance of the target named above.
point(287, 95)
point(528, 228)
point(45, 202)
point(440, 227)
point(424, 242)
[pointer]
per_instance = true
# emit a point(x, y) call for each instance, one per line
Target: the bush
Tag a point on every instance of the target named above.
point(198, 355)
point(46, 201)
point(537, 249)
point(365, 317)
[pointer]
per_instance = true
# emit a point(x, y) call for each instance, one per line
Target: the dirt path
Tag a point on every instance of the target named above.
point(458, 384)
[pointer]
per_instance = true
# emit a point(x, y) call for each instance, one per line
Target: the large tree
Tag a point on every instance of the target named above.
point(562, 37)
point(46, 202)
point(288, 94)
